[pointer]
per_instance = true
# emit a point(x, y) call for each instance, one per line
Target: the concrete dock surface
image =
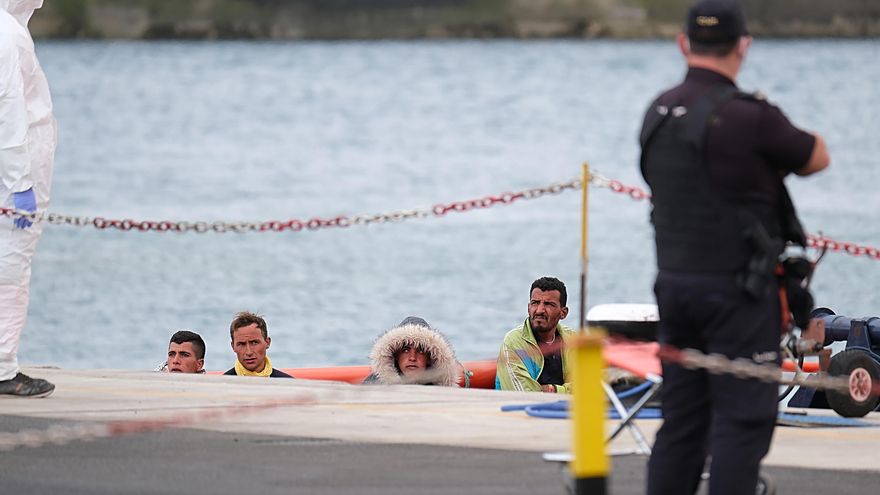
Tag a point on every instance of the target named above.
point(218, 434)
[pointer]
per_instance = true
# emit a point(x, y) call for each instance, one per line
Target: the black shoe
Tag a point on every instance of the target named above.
point(25, 386)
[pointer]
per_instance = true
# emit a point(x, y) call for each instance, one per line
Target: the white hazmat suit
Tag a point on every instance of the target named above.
point(27, 147)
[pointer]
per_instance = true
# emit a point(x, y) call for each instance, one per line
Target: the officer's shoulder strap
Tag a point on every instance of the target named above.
point(657, 114)
point(703, 109)
point(700, 110)
point(697, 113)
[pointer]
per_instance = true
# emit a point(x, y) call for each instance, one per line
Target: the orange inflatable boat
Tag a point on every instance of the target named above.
point(483, 373)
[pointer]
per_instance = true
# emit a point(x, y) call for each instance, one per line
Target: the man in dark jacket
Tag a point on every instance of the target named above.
point(250, 341)
point(714, 158)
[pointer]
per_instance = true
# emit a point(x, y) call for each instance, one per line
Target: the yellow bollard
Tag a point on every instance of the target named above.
point(590, 465)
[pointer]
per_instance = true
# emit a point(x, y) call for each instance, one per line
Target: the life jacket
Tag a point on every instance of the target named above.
point(697, 230)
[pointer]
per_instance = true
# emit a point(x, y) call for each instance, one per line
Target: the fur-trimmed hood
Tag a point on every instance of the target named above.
point(443, 370)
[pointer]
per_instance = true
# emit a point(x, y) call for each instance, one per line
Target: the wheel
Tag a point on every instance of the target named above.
point(864, 375)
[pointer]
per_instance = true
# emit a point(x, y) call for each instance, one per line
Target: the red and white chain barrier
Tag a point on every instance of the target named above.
point(344, 221)
point(296, 225)
point(719, 364)
point(824, 243)
point(61, 434)
point(819, 242)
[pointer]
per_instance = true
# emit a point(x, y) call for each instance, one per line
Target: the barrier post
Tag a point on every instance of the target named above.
point(589, 468)
point(590, 465)
point(585, 201)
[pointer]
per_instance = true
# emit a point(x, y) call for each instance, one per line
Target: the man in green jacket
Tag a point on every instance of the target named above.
point(532, 357)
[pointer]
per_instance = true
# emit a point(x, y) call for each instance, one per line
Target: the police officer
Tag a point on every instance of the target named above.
point(714, 158)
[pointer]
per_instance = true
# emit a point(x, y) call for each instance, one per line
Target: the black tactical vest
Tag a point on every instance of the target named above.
point(696, 229)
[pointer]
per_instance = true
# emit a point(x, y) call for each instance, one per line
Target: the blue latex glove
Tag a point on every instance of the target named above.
point(26, 201)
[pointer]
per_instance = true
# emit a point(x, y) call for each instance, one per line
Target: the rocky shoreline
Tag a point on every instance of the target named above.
point(414, 19)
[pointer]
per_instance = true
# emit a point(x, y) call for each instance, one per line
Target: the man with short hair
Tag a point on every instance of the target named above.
point(714, 158)
point(186, 353)
point(250, 341)
point(532, 357)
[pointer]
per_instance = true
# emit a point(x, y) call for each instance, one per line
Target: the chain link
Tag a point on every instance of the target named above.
point(60, 435)
point(718, 364)
point(636, 193)
point(294, 225)
point(54, 435)
point(824, 243)
point(596, 179)
point(14, 214)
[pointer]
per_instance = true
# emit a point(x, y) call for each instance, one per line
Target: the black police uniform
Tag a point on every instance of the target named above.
point(714, 158)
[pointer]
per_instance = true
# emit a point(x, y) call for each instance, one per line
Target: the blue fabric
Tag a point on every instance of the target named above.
point(531, 365)
point(25, 201)
point(559, 410)
point(634, 390)
point(788, 419)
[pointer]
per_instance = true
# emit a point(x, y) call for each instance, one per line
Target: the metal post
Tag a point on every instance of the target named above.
point(585, 200)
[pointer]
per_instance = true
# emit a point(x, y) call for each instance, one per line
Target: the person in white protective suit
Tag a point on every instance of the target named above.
point(27, 148)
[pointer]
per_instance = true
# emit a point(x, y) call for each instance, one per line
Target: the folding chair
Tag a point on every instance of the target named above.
point(637, 356)
point(633, 321)
point(641, 360)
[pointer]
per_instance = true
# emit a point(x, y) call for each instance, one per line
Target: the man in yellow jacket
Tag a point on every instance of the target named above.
point(250, 341)
point(532, 357)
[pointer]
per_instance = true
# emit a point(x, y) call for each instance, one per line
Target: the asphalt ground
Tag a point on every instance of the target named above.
point(206, 462)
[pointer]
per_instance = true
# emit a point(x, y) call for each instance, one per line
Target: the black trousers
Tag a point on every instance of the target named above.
point(730, 419)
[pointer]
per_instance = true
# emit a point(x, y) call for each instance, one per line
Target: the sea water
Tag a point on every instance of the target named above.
point(252, 131)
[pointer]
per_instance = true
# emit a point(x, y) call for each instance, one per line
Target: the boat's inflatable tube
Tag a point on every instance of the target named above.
point(482, 373)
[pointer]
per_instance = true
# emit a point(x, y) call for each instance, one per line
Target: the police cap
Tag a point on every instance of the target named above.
point(716, 21)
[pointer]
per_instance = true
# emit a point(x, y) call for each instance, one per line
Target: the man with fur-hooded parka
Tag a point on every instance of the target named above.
point(442, 368)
